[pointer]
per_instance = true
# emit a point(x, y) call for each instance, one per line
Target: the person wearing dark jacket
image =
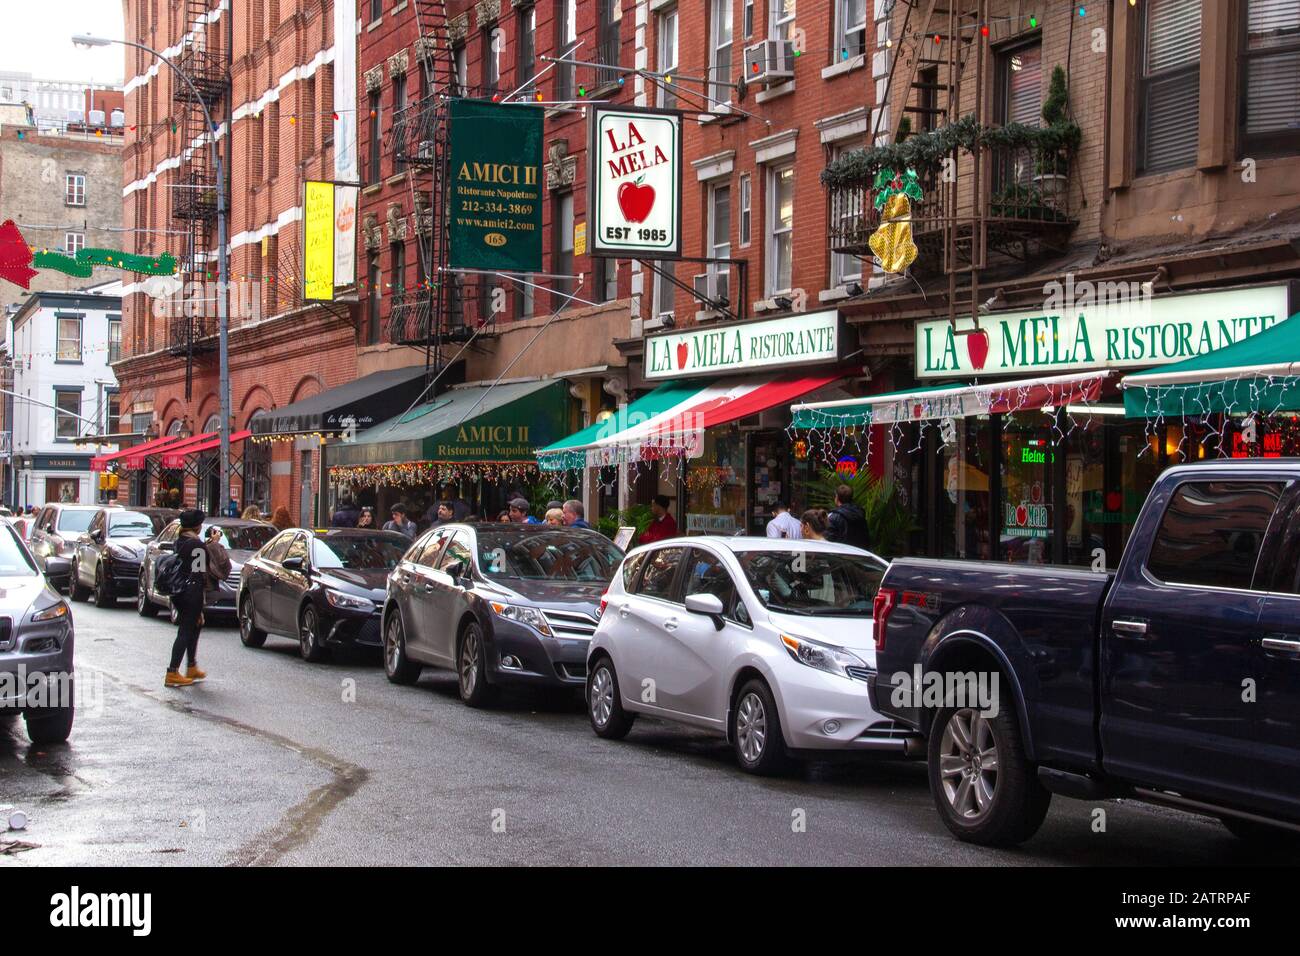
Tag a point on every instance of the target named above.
point(847, 523)
point(193, 556)
point(345, 515)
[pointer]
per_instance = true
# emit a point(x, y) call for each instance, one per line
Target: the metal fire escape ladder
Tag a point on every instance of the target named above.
point(194, 187)
point(423, 315)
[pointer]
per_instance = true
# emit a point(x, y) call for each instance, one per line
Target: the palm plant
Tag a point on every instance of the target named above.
point(889, 521)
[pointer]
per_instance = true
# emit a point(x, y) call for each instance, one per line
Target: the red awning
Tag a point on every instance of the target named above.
point(729, 400)
point(134, 456)
point(175, 456)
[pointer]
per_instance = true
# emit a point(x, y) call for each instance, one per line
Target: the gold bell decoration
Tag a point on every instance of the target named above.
point(892, 241)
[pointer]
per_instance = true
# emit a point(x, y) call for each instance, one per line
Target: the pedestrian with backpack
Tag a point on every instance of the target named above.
point(185, 580)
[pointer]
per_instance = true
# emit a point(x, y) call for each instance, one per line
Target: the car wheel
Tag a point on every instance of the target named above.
point(472, 668)
point(143, 606)
point(985, 789)
point(310, 646)
point(75, 590)
point(250, 635)
point(605, 704)
point(756, 731)
point(398, 668)
point(104, 596)
point(49, 725)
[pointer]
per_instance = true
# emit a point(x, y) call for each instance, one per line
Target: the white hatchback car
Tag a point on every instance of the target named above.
point(767, 641)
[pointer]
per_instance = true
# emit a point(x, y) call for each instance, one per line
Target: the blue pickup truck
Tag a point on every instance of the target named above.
point(1174, 678)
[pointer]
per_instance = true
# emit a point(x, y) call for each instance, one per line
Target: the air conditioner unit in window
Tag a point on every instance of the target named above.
point(711, 286)
point(768, 62)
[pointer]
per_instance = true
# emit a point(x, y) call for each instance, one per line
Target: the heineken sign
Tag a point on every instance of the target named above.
point(741, 347)
point(1092, 326)
point(496, 192)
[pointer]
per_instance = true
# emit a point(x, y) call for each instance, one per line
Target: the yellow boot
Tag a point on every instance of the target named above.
point(174, 679)
point(194, 674)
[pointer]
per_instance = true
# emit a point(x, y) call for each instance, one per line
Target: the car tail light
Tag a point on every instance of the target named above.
point(880, 608)
point(604, 600)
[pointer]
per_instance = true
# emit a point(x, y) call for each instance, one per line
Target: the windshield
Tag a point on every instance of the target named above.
point(813, 582)
point(14, 560)
point(133, 524)
point(70, 520)
point(355, 552)
point(560, 555)
point(243, 537)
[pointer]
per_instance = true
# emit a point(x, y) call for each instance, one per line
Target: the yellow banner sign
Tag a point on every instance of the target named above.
point(318, 242)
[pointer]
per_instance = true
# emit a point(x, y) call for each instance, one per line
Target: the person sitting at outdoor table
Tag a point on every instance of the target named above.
point(663, 525)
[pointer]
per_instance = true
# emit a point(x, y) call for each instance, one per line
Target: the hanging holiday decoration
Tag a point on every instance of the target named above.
point(15, 256)
point(419, 473)
point(892, 241)
point(82, 265)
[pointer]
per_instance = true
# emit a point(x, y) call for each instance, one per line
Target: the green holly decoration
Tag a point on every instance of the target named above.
point(889, 183)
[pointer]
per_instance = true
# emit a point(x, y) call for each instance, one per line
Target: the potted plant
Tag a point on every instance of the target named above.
point(1055, 141)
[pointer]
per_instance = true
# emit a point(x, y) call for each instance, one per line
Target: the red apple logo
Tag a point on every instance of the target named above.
point(1022, 516)
point(977, 347)
point(636, 200)
point(682, 353)
point(1114, 501)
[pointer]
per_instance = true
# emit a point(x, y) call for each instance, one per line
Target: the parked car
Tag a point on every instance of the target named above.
point(54, 537)
point(764, 641)
point(1174, 678)
point(36, 637)
point(106, 559)
point(325, 587)
point(239, 537)
point(501, 605)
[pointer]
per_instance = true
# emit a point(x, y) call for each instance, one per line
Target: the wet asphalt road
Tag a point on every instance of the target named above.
point(275, 761)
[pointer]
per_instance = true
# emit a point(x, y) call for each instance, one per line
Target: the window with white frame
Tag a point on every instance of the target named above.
point(748, 25)
point(850, 29)
point(780, 19)
point(780, 229)
point(114, 339)
point(69, 344)
point(67, 414)
point(73, 242)
point(845, 269)
point(719, 238)
point(746, 210)
point(665, 290)
point(75, 189)
point(667, 60)
point(720, 28)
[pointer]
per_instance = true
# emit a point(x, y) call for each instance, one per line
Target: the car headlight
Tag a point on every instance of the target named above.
point(122, 554)
point(522, 615)
point(348, 601)
point(51, 613)
point(824, 657)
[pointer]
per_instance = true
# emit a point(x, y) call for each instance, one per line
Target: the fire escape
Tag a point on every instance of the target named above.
point(194, 196)
point(993, 196)
point(430, 314)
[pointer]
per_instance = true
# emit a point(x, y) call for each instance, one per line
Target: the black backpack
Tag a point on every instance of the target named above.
point(171, 576)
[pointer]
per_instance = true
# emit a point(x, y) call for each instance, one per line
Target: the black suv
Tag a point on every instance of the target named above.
point(106, 559)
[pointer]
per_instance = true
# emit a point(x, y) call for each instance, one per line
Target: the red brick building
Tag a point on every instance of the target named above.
point(265, 68)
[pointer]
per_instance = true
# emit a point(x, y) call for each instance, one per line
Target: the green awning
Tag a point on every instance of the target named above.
point(570, 453)
point(1257, 374)
point(846, 414)
point(479, 423)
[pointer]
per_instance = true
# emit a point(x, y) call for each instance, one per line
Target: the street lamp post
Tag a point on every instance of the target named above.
point(223, 277)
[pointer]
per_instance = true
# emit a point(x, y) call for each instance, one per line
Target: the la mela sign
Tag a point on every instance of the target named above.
point(636, 183)
point(1090, 331)
point(791, 340)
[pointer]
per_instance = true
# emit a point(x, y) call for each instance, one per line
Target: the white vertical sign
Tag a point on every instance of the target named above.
point(345, 235)
point(636, 183)
point(345, 92)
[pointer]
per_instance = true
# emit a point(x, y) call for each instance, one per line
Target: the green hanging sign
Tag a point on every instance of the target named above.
point(82, 265)
point(496, 191)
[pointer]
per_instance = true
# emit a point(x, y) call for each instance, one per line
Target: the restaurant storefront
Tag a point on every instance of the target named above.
point(1016, 443)
point(712, 433)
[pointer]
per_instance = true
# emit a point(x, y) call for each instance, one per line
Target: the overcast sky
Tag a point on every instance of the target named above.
point(35, 37)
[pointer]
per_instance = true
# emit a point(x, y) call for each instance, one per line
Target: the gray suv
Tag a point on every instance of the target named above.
point(35, 645)
point(53, 539)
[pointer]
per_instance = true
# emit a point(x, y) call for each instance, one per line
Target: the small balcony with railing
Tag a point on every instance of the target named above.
point(191, 334)
point(417, 130)
point(993, 191)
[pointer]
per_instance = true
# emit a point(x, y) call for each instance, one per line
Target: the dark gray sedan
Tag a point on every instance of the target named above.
point(499, 604)
point(35, 645)
point(241, 539)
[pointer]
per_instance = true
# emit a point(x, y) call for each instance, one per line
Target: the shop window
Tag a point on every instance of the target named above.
point(1270, 78)
point(720, 26)
point(715, 484)
point(666, 32)
point(1170, 82)
point(1027, 503)
point(964, 500)
point(780, 230)
point(1211, 533)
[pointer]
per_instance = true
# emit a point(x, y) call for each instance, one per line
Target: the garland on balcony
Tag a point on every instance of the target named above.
point(925, 152)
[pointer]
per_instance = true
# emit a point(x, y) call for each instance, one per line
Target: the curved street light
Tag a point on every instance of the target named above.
point(223, 319)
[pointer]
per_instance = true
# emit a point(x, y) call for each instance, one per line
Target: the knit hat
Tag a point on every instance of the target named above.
point(192, 518)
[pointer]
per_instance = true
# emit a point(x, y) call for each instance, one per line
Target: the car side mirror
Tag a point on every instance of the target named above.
point(293, 564)
point(707, 604)
point(97, 536)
